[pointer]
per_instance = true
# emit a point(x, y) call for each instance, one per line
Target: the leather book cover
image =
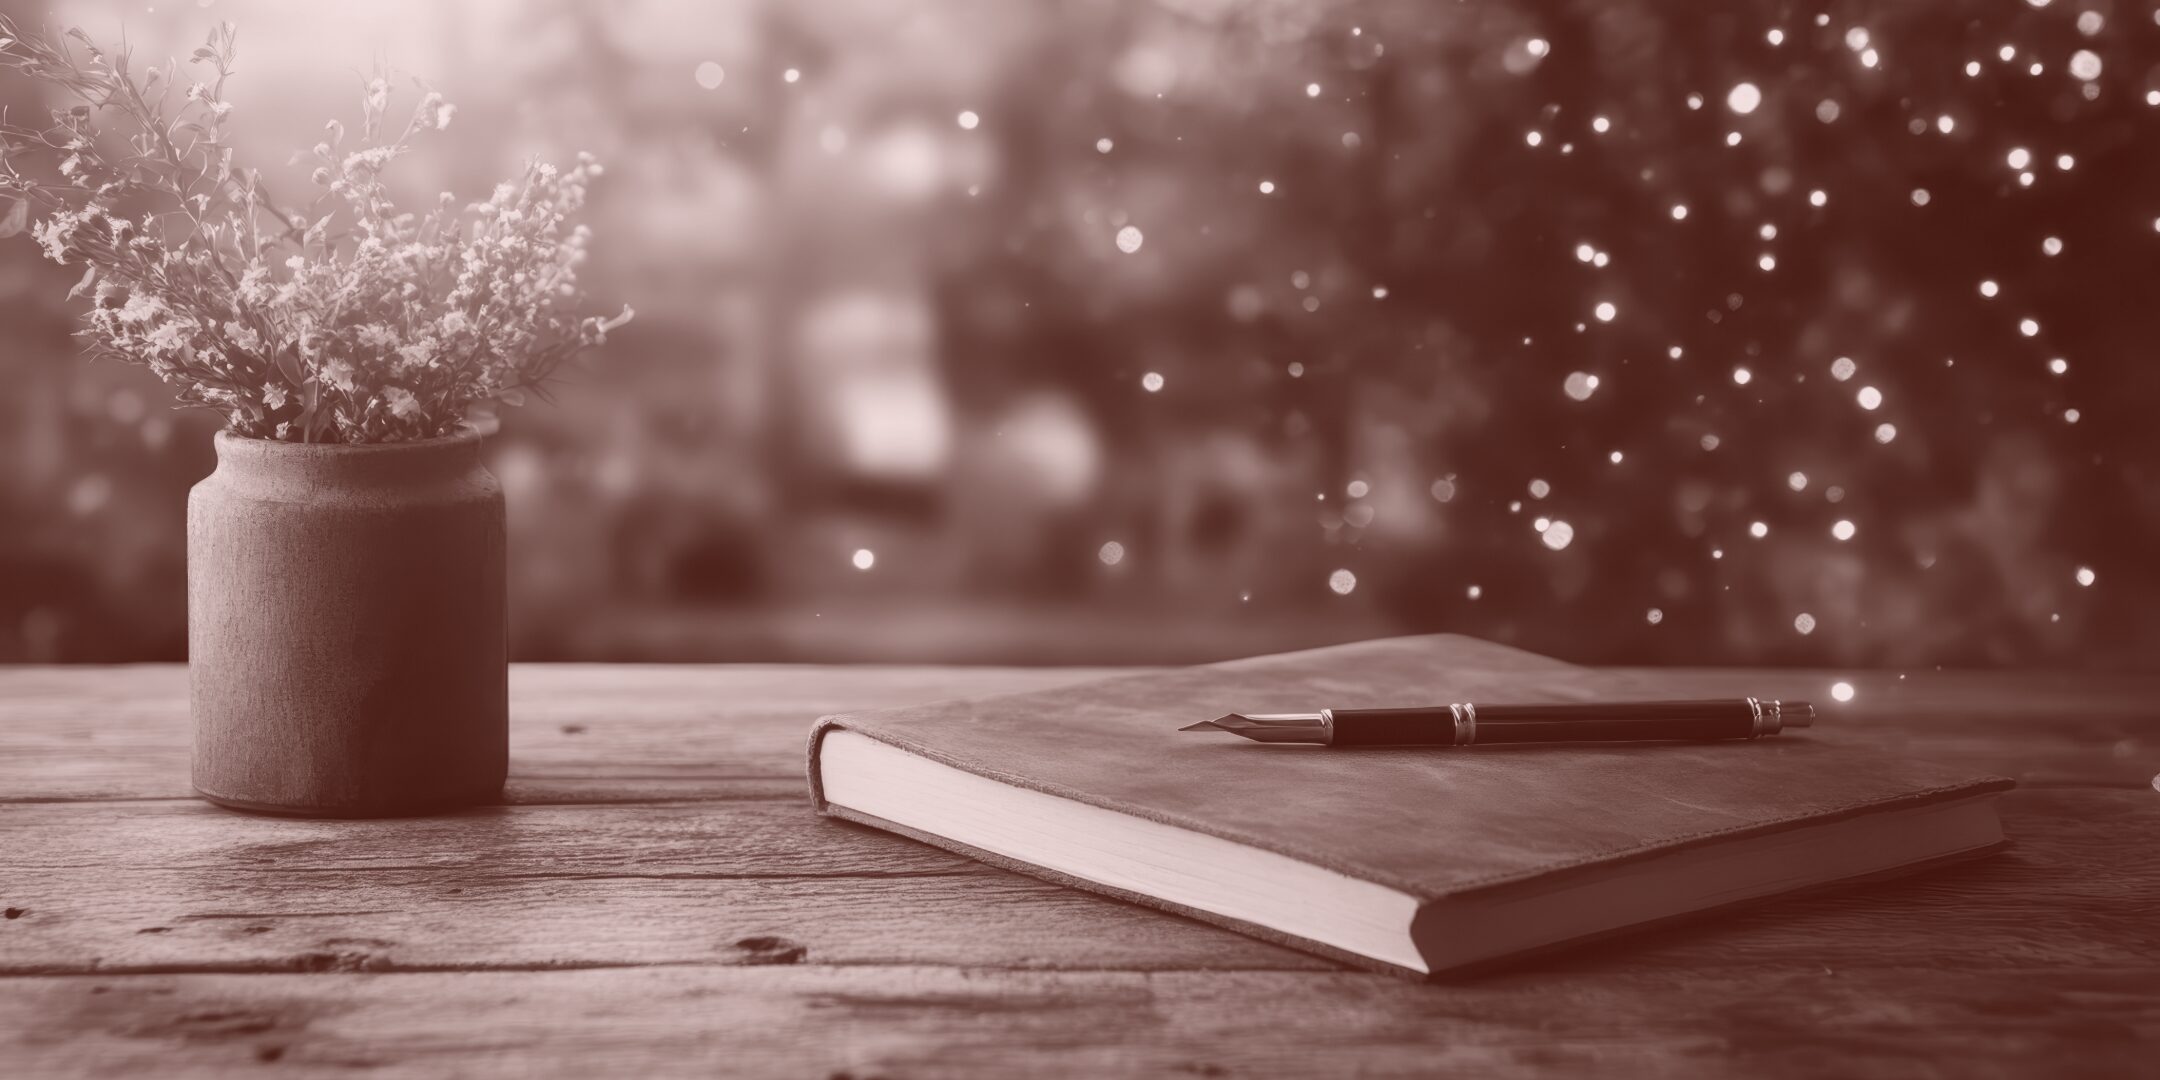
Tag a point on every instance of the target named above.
point(1432, 823)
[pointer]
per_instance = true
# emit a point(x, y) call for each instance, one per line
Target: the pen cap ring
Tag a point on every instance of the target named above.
point(1465, 717)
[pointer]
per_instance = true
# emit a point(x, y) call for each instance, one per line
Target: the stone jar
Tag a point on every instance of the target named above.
point(346, 638)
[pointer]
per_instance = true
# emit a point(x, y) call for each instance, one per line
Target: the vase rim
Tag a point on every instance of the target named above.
point(229, 441)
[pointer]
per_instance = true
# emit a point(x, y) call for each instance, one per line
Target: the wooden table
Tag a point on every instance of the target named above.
point(657, 897)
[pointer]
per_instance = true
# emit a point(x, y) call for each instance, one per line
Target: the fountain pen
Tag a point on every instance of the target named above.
point(1466, 724)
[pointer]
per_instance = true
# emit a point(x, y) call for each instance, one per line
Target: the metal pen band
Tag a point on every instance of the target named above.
point(1465, 716)
point(1763, 723)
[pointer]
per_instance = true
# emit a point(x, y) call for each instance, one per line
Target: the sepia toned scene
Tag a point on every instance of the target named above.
point(1179, 330)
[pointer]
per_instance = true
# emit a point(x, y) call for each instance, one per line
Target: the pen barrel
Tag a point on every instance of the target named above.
point(1632, 722)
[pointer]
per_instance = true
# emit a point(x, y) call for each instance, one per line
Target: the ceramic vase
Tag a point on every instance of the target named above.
point(346, 637)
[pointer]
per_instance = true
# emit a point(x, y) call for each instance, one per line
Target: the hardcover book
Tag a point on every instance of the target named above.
point(1413, 860)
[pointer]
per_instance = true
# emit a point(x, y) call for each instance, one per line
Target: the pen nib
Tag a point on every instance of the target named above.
point(1268, 727)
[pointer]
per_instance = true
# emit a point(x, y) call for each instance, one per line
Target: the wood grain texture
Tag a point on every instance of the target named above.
point(659, 898)
point(805, 1021)
point(570, 886)
point(619, 732)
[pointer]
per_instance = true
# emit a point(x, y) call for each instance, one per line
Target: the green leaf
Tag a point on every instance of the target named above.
point(16, 219)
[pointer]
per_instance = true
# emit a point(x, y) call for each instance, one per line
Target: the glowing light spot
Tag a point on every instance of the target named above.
point(1129, 239)
point(1768, 262)
point(1709, 442)
point(1694, 101)
point(792, 75)
point(1579, 385)
point(1312, 89)
point(1674, 352)
point(1539, 489)
point(1732, 138)
point(1843, 530)
point(1443, 490)
point(2070, 416)
point(1818, 197)
point(1870, 398)
point(1105, 144)
point(2065, 162)
point(2085, 64)
point(1357, 489)
point(1919, 196)
point(1833, 493)
point(1741, 375)
point(2085, 576)
point(2058, 365)
point(1843, 368)
point(2025, 179)
point(1541, 524)
point(1615, 456)
point(1600, 259)
point(2028, 327)
point(1600, 125)
point(1534, 138)
point(2019, 158)
point(1841, 691)
point(1679, 212)
point(1342, 581)
point(1537, 46)
point(1797, 481)
point(864, 558)
point(1826, 111)
point(1743, 98)
point(1585, 253)
point(1972, 68)
point(1804, 622)
point(1989, 288)
point(1856, 38)
point(1557, 535)
point(2007, 53)
point(2090, 22)
point(1379, 292)
point(1296, 369)
point(967, 120)
point(710, 75)
point(1945, 124)
point(1885, 432)
point(1768, 231)
point(2052, 245)
point(1605, 311)
point(1151, 382)
point(1473, 592)
point(1870, 58)
point(1775, 36)
point(1758, 530)
point(1653, 616)
point(1111, 553)
point(1267, 187)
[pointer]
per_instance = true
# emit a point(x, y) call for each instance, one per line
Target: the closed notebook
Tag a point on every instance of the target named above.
point(1415, 860)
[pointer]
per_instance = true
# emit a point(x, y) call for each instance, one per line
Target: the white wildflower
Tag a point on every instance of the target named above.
point(141, 307)
point(403, 404)
point(378, 336)
point(340, 373)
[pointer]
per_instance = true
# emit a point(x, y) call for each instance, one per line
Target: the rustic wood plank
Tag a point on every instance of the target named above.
point(902, 1022)
point(578, 732)
point(178, 885)
point(599, 733)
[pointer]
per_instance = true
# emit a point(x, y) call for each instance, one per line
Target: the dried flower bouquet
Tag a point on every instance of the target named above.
point(351, 321)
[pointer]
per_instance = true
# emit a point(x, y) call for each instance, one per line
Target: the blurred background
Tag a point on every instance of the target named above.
point(1171, 330)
